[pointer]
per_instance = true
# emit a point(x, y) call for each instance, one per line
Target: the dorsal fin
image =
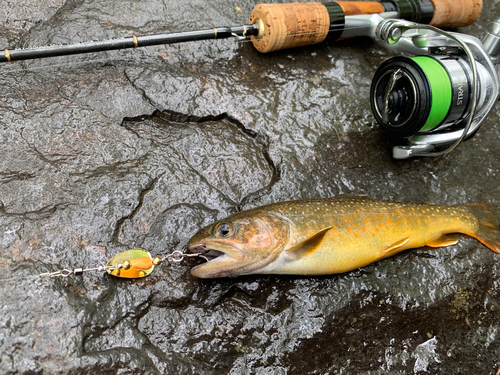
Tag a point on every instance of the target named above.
point(308, 246)
point(352, 196)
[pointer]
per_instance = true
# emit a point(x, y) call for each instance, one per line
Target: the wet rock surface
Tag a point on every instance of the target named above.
point(142, 148)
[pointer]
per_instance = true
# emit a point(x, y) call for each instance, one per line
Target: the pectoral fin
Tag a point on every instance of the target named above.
point(307, 246)
point(445, 240)
point(394, 247)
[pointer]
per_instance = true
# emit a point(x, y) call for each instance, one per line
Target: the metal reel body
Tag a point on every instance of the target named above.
point(422, 40)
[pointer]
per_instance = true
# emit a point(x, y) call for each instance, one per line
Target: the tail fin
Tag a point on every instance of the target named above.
point(488, 216)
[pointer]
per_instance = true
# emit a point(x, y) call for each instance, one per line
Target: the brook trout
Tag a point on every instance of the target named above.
point(326, 236)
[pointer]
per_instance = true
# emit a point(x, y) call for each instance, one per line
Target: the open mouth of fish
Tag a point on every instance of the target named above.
point(221, 259)
point(206, 252)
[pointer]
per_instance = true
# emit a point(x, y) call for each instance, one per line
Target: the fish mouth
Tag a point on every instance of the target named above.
point(206, 252)
point(222, 260)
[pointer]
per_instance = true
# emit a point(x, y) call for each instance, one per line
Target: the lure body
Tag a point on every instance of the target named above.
point(326, 236)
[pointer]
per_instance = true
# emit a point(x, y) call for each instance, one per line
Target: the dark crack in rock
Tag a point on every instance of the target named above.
point(141, 148)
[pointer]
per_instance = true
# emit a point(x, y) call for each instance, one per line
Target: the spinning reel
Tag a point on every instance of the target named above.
point(441, 96)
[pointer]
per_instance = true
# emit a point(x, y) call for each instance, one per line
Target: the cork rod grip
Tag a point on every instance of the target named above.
point(455, 13)
point(289, 25)
point(299, 24)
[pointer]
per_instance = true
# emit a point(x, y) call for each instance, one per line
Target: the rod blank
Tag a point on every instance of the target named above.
point(128, 42)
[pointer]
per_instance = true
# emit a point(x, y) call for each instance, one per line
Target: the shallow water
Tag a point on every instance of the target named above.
point(141, 148)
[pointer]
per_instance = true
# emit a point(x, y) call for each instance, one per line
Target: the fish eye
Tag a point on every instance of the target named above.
point(224, 229)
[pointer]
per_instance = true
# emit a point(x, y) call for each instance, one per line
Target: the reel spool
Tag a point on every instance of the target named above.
point(421, 94)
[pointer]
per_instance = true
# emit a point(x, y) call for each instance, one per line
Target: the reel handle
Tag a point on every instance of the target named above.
point(283, 26)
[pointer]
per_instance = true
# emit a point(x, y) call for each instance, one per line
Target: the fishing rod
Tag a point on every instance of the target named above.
point(273, 27)
point(433, 101)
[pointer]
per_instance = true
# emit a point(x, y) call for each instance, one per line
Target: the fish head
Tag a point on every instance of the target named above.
point(239, 245)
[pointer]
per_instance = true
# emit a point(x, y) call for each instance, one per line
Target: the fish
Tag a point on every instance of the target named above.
point(333, 235)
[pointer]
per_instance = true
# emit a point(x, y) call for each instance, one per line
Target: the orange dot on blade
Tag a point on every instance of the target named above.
point(142, 263)
point(132, 273)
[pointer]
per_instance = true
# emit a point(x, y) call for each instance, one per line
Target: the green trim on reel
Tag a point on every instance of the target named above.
point(441, 91)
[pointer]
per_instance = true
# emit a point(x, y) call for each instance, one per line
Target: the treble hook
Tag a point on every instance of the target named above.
point(178, 256)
